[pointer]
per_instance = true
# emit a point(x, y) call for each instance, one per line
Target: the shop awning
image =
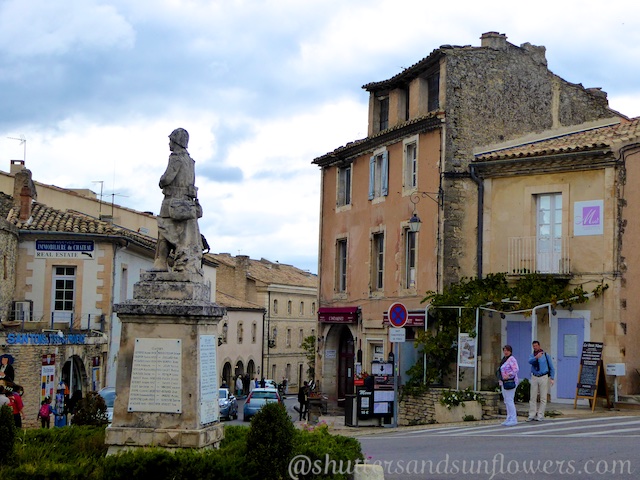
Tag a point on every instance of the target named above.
point(338, 314)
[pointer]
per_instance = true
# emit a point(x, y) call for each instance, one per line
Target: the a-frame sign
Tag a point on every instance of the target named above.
point(591, 377)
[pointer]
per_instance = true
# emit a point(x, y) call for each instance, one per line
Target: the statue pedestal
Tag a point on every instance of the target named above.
point(167, 378)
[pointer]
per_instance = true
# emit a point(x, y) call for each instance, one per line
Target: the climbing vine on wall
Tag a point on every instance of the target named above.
point(456, 308)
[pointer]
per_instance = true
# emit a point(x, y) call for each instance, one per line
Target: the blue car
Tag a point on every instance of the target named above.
point(257, 399)
point(228, 404)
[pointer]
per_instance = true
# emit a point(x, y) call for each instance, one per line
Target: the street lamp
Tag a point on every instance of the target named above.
point(414, 221)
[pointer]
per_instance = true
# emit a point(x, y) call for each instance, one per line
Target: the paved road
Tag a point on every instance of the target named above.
point(579, 448)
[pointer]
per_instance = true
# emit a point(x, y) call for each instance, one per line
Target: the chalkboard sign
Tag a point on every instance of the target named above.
point(591, 378)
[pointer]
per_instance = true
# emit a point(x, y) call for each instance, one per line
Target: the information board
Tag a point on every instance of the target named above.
point(209, 409)
point(591, 378)
point(156, 375)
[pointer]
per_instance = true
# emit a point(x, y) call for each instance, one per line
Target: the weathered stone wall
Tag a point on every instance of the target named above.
point(28, 370)
point(493, 95)
point(9, 249)
point(421, 410)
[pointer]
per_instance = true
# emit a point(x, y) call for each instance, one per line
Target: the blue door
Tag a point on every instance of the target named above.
point(570, 338)
point(519, 337)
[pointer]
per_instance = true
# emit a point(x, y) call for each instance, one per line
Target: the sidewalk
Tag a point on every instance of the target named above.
point(336, 423)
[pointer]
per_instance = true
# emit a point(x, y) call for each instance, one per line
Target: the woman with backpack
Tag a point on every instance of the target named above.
point(44, 414)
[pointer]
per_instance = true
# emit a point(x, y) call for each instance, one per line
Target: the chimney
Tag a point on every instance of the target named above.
point(24, 193)
point(495, 40)
point(16, 166)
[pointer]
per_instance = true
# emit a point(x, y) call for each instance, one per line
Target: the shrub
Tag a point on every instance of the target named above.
point(318, 445)
point(453, 398)
point(523, 391)
point(270, 442)
point(7, 434)
point(91, 410)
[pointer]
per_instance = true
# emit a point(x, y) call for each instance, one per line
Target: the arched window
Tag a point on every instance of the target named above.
point(275, 307)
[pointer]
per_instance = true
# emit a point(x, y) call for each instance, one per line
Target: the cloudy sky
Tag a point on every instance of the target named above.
point(263, 87)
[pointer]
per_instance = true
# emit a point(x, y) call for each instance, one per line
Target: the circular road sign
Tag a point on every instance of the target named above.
point(398, 315)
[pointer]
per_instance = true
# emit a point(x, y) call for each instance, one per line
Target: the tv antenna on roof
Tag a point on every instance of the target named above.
point(23, 141)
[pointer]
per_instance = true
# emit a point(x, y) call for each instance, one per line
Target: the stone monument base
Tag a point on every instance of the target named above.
point(126, 438)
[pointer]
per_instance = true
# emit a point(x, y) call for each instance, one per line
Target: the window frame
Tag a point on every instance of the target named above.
point(410, 259)
point(410, 163)
point(343, 189)
point(342, 256)
point(377, 261)
point(379, 174)
point(65, 274)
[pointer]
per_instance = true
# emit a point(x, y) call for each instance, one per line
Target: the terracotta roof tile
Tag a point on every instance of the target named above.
point(47, 219)
point(592, 139)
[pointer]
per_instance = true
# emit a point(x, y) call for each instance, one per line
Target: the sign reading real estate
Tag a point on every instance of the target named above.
point(155, 376)
point(80, 249)
point(588, 218)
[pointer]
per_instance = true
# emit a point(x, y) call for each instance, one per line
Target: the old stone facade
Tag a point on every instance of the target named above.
point(287, 296)
point(424, 124)
point(561, 204)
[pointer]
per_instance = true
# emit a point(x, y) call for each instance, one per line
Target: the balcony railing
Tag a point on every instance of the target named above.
point(531, 255)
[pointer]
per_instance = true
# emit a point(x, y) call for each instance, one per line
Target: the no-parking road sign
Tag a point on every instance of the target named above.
point(398, 315)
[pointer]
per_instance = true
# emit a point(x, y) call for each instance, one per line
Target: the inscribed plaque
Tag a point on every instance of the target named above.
point(209, 409)
point(156, 376)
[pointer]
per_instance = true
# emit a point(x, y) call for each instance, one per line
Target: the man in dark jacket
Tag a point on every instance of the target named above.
point(303, 400)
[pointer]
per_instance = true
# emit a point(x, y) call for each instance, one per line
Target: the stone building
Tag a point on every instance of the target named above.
point(563, 203)
point(63, 272)
point(399, 208)
point(288, 298)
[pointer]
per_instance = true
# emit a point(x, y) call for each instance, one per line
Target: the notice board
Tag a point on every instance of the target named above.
point(591, 377)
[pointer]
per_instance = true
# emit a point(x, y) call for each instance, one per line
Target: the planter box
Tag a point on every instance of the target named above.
point(457, 414)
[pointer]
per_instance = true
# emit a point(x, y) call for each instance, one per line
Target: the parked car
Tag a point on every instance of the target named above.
point(109, 395)
point(258, 399)
point(228, 404)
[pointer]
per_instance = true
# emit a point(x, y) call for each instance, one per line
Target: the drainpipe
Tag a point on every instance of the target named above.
point(424, 357)
point(475, 178)
point(479, 240)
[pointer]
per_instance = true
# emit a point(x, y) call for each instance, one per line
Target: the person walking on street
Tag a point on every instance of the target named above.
point(239, 386)
point(542, 374)
point(508, 380)
point(303, 398)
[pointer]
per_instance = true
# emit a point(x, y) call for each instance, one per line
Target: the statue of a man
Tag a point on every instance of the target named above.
point(178, 219)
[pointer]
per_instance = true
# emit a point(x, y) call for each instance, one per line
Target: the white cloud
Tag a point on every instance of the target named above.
point(262, 86)
point(41, 27)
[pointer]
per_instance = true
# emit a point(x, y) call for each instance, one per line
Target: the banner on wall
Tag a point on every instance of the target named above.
point(466, 350)
point(588, 218)
point(48, 373)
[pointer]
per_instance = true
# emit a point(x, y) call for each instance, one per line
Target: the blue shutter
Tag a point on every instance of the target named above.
point(372, 177)
point(385, 173)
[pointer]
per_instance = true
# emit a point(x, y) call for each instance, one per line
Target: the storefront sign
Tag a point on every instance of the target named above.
point(588, 218)
point(45, 339)
point(80, 249)
point(338, 314)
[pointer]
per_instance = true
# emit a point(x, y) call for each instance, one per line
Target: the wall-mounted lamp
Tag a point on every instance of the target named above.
point(503, 316)
point(414, 221)
point(570, 308)
point(553, 311)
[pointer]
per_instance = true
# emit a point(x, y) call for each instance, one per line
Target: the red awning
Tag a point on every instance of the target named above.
point(338, 314)
point(415, 319)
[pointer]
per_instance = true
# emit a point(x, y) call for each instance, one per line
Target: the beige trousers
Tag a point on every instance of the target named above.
point(539, 385)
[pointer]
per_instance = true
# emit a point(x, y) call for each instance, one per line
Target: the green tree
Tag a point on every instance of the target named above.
point(454, 310)
point(309, 347)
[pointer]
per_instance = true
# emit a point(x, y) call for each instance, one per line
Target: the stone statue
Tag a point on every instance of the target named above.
point(178, 230)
